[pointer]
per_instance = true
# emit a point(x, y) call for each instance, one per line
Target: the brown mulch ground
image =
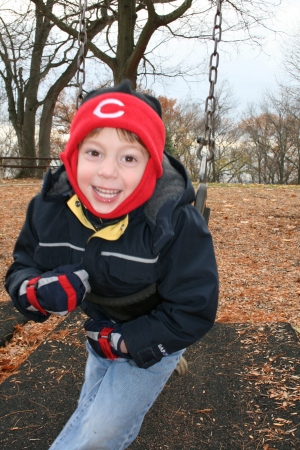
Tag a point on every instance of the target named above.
point(256, 232)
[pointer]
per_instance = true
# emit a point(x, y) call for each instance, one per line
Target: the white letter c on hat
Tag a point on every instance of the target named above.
point(113, 101)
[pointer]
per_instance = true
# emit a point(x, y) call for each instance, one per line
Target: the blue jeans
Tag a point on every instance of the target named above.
point(114, 399)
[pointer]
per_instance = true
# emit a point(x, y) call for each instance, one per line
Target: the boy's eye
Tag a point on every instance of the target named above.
point(93, 153)
point(129, 158)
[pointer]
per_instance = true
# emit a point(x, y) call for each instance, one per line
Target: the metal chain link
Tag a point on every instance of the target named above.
point(82, 40)
point(210, 104)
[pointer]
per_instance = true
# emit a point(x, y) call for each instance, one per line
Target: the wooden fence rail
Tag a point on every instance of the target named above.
point(6, 164)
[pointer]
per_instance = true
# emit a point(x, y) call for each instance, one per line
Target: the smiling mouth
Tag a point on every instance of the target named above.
point(108, 194)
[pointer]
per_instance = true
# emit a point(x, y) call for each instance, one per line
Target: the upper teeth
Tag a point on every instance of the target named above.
point(106, 192)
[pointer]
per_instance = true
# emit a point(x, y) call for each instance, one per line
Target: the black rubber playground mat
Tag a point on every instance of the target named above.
point(241, 392)
point(9, 317)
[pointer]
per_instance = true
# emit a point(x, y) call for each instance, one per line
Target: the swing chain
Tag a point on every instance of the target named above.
point(210, 104)
point(82, 40)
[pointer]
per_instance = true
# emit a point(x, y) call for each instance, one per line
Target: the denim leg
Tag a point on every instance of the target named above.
point(95, 370)
point(114, 400)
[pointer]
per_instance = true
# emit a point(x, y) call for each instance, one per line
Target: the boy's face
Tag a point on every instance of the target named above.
point(109, 169)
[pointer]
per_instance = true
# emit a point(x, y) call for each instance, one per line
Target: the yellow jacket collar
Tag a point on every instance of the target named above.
point(110, 233)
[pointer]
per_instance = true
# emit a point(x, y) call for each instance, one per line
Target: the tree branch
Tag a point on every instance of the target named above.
point(91, 32)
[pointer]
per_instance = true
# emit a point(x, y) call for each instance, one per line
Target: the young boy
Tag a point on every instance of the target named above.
point(113, 230)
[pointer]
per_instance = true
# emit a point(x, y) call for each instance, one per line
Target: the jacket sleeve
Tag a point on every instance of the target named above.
point(189, 292)
point(24, 267)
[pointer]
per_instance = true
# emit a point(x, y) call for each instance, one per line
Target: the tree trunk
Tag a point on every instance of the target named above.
point(23, 95)
point(49, 105)
point(27, 144)
point(125, 47)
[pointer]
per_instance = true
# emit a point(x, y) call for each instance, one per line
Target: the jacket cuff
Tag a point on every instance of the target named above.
point(143, 357)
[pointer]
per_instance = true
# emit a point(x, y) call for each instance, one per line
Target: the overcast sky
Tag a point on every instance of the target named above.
point(250, 72)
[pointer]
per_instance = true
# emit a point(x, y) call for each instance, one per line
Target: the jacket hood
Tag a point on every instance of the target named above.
point(172, 189)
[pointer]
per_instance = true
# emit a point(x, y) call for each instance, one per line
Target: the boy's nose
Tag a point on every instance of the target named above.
point(107, 168)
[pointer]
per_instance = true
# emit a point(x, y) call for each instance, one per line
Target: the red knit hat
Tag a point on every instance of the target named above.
point(119, 107)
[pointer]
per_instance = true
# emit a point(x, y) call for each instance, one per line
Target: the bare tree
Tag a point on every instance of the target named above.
point(18, 38)
point(290, 104)
point(255, 143)
point(33, 50)
point(291, 94)
point(291, 57)
point(273, 137)
point(137, 29)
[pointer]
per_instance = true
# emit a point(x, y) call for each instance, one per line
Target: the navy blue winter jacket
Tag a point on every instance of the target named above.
point(166, 242)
